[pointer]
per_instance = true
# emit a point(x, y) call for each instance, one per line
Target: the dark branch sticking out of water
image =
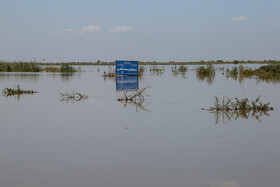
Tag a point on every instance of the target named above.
point(229, 109)
point(72, 97)
point(137, 99)
point(16, 91)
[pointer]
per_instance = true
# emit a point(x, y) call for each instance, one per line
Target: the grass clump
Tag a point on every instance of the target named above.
point(156, 71)
point(209, 70)
point(267, 73)
point(16, 91)
point(207, 73)
point(232, 72)
point(66, 68)
point(141, 71)
point(52, 69)
point(19, 67)
point(72, 97)
point(180, 70)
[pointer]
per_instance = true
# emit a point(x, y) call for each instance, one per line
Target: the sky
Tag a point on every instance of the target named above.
point(144, 30)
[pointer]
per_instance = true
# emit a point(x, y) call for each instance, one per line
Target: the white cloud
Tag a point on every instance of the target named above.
point(240, 18)
point(91, 28)
point(120, 29)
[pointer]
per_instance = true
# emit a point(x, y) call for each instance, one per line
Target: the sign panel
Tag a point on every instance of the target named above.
point(126, 68)
point(126, 83)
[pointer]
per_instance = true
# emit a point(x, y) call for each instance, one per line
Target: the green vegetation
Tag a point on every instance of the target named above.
point(19, 67)
point(170, 63)
point(157, 71)
point(33, 67)
point(207, 73)
point(267, 73)
point(232, 73)
point(66, 68)
point(151, 63)
point(52, 69)
point(141, 71)
point(72, 97)
point(181, 70)
point(239, 108)
point(16, 91)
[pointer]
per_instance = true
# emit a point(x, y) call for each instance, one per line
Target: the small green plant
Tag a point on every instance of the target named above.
point(72, 97)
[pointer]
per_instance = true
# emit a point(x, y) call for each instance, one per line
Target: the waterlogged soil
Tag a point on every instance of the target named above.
point(106, 143)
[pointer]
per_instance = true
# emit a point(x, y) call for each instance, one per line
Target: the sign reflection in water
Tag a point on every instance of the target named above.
point(126, 83)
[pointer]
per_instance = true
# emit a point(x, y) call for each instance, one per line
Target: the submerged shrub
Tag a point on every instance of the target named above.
point(67, 68)
point(72, 97)
point(19, 67)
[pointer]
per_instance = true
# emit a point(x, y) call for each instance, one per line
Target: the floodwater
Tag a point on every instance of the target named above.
point(168, 141)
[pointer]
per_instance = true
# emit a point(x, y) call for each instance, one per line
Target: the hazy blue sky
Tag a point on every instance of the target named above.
point(145, 30)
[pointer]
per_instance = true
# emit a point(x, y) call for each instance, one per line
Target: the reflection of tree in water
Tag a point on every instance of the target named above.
point(231, 115)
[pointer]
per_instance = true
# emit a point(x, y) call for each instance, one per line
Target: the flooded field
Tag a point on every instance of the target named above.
point(168, 139)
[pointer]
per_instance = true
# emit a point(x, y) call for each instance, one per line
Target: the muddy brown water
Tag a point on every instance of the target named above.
point(102, 142)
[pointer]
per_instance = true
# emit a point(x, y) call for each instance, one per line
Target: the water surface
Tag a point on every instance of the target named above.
point(102, 142)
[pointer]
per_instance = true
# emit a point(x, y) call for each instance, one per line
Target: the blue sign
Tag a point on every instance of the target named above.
point(126, 83)
point(126, 68)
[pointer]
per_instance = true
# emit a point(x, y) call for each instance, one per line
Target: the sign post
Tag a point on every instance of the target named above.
point(126, 68)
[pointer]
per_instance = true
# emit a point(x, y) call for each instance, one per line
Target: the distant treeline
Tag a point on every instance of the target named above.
point(167, 63)
point(2, 63)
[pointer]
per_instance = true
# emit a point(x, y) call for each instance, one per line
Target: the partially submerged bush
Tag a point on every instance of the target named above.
point(269, 72)
point(207, 73)
point(156, 71)
point(67, 68)
point(136, 99)
point(19, 67)
point(16, 91)
point(239, 108)
point(72, 97)
point(181, 70)
point(52, 69)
